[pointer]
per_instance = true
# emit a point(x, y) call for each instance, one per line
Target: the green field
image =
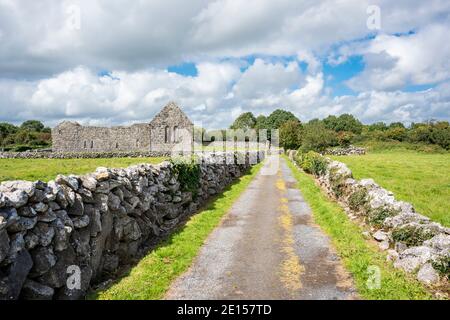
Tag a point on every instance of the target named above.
point(422, 179)
point(47, 169)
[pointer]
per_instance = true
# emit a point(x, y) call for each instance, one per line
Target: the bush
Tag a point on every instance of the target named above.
point(345, 138)
point(312, 162)
point(431, 133)
point(337, 183)
point(412, 235)
point(442, 265)
point(358, 199)
point(396, 133)
point(377, 216)
point(21, 148)
point(188, 171)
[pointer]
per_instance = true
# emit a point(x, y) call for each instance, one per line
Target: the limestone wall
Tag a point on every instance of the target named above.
point(97, 222)
point(72, 137)
point(350, 150)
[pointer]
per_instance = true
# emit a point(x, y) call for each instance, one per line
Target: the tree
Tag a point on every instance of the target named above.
point(396, 125)
point(316, 137)
point(32, 125)
point(290, 135)
point(396, 133)
point(245, 121)
point(380, 126)
point(432, 132)
point(277, 118)
point(345, 122)
point(6, 131)
point(261, 122)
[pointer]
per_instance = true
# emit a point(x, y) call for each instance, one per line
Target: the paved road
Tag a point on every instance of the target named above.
point(267, 247)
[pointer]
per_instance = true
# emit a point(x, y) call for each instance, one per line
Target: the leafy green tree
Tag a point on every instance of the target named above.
point(245, 121)
point(396, 133)
point(380, 126)
point(431, 133)
point(32, 125)
point(261, 122)
point(290, 135)
point(277, 118)
point(6, 131)
point(345, 122)
point(316, 137)
point(441, 134)
point(396, 125)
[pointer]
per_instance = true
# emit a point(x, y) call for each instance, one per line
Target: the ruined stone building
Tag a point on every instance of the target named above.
point(169, 128)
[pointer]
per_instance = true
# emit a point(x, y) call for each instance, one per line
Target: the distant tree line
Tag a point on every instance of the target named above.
point(343, 130)
point(31, 134)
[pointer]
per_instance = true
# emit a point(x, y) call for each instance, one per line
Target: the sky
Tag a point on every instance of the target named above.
point(117, 62)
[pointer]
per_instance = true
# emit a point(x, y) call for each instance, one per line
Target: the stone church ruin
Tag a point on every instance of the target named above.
point(169, 129)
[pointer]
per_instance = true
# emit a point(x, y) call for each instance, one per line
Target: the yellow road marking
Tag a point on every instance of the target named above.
point(290, 269)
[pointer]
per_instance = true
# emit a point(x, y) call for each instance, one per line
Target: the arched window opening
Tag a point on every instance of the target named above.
point(92, 144)
point(167, 135)
point(137, 142)
point(85, 144)
point(117, 145)
point(175, 134)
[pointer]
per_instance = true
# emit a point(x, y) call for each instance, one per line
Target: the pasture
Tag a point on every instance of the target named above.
point(422, 179)
point(47, 169)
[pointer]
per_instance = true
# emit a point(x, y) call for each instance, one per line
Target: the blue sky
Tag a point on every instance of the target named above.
point(119, 63)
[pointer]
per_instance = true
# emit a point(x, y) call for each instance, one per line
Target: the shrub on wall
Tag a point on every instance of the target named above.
point(358, 199)
point(412, 235)
point(312, 162)
point(188, 171)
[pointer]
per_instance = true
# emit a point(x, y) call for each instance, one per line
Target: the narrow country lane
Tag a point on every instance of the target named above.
point(267, 247)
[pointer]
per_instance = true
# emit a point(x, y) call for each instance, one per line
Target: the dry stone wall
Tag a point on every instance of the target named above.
point(413, 242)
point(350, 150)
point(97, 222)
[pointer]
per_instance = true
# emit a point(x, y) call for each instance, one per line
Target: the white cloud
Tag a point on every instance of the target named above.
point(48, 70)
point(395, 61)
point(210, 99)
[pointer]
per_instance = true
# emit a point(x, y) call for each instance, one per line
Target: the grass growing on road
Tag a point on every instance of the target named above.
point(152, 276)
point(420, 178)
point(357, 254)
point(47, 169)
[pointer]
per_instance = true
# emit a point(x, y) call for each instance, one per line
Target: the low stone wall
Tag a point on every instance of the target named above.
point(81, 155)
point(351, 150)
point(413, 242)
point(91, 225)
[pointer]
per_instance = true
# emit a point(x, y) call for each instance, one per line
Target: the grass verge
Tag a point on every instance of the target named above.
point(47, 169)
point(152, 276)
point(358, 255)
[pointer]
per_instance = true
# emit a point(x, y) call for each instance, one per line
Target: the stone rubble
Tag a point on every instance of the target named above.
point(97, 222)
